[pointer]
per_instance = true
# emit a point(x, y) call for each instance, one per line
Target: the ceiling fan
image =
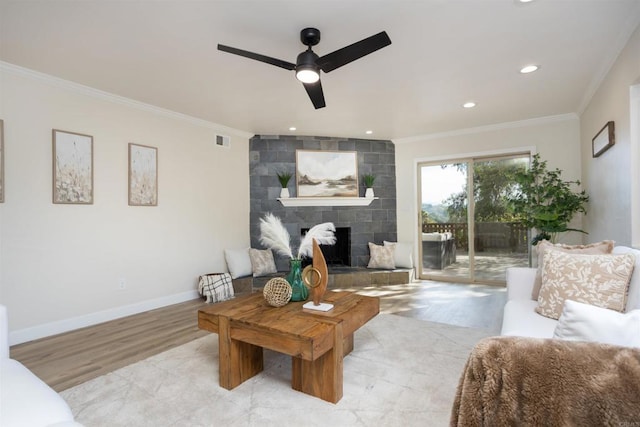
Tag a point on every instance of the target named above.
point(308, 64)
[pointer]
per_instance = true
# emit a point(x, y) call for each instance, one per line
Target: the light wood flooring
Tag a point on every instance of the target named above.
point(68, 359)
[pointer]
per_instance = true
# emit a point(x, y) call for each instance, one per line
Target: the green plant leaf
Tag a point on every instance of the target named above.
point(368, 180)
point(544, 201)
point(284, 178)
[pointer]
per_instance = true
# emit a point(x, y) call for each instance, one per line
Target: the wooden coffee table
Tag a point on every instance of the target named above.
point(316, 341)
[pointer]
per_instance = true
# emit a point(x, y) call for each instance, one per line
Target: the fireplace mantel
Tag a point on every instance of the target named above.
point(326, 201)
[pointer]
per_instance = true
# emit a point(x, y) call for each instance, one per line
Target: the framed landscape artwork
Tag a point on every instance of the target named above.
point(143, 175)
point(327, 173)
point(72, 168)
point(1, 161)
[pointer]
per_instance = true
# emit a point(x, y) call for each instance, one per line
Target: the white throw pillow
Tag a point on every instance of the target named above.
point(381, 257)
point(584, 322)
point(238, 262)
point(402, 255)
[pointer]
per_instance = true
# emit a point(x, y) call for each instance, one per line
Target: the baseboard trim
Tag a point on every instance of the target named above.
point(53, 328)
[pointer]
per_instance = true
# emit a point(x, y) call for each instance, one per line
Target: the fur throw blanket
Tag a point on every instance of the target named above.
point(514, 381)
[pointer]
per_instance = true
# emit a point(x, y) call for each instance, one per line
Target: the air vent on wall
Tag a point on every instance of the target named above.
point(223, 141)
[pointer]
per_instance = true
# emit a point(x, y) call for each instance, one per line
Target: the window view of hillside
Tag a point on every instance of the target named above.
point(495, 238)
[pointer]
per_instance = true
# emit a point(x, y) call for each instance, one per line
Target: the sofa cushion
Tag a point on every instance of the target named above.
point(584, 322)
point(25, 400)
point(381, 257)
point(238, 262)
point(600, 280)
point(262, 262)
point(520, 319)
point(402, 254)
point(633, 296)
point(604, 247)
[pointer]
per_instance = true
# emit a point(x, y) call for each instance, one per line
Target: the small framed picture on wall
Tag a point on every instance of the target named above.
point(1, 161)
point(143, 175)
point(604, 140)
point(72, 168)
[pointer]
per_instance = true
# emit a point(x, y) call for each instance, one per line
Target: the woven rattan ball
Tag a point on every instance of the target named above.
point(277, 292)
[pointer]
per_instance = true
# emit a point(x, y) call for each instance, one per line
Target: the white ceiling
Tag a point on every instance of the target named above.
point(443, 53)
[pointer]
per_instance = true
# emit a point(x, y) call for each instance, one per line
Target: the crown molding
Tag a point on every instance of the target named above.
point(488, 128)
point(117, 99)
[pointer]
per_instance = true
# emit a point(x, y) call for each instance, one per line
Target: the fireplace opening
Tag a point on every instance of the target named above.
point(338, 254)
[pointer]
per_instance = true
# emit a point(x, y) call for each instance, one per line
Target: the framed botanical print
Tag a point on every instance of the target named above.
point(72, 168)
point(143, 175)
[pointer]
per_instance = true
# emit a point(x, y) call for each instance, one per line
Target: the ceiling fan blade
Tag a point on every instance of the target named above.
point(340, 57)
point(314, 90)
point(262, 58)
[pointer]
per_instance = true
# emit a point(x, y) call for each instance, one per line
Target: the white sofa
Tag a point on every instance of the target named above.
point(520, 318)
point(25, 400)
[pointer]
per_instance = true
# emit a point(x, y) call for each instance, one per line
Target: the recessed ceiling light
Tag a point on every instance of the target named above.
point(469, 104)
point(525, 1)
point(529, 69)
point(369, 132)
point(292, 128)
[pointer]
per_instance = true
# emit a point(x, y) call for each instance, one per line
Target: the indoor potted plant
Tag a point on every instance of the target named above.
point(545, 202)
point(284, 178)
point(368, 180)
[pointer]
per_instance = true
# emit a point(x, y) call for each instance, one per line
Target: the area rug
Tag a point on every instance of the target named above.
point(402, 372)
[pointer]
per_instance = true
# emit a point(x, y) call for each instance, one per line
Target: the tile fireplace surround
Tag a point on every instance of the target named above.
point(376, 222)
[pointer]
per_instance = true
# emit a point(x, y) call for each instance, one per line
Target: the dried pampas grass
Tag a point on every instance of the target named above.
point(273, 235)
point(324, 235)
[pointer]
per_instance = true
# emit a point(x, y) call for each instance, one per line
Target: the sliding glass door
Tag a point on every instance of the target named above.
point(444, 226)
point(467, 231)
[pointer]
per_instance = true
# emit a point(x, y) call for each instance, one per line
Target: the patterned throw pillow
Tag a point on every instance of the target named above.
point(600, 280)
point(604, 247)
point(381, 257)
point(216, 287)
point(262, 262)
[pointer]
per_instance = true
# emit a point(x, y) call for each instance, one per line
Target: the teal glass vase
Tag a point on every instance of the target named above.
point(299, 291)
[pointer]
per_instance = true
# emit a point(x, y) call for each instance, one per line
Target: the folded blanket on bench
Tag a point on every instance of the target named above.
point(510, 381)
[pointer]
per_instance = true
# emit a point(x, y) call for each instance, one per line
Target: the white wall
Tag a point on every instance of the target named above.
point(555, 138)
point(612, 179)
point(60, 264)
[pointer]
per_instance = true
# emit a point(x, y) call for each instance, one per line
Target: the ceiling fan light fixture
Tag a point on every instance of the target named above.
point(308, 65)
point(307, 74)
point(306, 69)
point(529, 69)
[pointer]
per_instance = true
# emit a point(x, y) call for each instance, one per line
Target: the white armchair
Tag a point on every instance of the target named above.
point(520, 318)
point(25, 400)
